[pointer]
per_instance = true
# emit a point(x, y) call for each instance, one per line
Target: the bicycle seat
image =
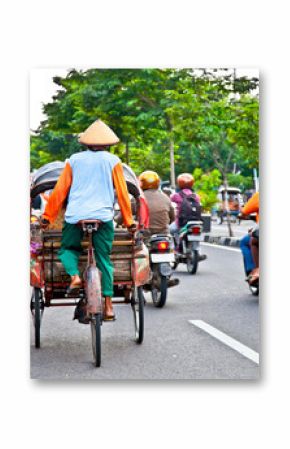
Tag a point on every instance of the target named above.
point(89, 224)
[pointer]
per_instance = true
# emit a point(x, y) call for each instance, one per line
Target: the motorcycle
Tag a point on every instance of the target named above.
point(161, 254)
point(254, 287)
point(188, 247)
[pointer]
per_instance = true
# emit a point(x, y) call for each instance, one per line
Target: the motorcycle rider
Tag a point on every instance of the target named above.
point(161, 210)
point(254, 243)
point(87, 183)
point(251, 268)
point(185, 182)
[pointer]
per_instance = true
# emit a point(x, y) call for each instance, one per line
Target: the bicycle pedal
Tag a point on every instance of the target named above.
point(71, 296)
point(74, 293)
point(109, 320)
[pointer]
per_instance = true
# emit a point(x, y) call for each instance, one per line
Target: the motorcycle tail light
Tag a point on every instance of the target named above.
point(162, 246)
point(195, 230)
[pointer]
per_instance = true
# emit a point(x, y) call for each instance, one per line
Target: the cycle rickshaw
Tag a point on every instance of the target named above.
point(234, 203)
point(49, 281)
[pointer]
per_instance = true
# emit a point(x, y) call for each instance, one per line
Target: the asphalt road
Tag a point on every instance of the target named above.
point(173, 347)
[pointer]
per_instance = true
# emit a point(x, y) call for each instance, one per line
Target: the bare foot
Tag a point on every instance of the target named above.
point(108, 309)
point(76, 282)
point(253, 276)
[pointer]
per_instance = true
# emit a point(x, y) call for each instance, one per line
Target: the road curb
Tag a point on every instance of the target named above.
point(224, 241)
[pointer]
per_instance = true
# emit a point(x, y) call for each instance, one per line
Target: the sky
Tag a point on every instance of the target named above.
point(42, 88)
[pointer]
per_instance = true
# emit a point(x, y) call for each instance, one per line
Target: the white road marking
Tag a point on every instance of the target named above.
point(229, 341)
point(213, 245)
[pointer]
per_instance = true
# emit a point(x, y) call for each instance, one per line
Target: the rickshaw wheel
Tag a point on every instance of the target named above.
point(137, 304)
point(96, 338)
point(36, 307)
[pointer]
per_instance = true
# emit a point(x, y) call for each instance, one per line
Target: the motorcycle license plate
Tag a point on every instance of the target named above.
point(159, 258)
point(194, 238)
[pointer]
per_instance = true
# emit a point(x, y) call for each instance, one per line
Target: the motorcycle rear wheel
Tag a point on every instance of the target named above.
point(159, 296)
point(254, 289)
point(192, 262)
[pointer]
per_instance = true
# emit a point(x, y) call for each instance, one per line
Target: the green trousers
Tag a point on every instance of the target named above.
point(71, 250)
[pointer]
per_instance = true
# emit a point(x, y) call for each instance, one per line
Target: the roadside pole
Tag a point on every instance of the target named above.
point(172, 167)
point(256, 180)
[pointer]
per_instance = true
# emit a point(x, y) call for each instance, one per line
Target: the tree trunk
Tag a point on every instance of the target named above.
point(127, 153)
point(172, 166)
point(225, 181)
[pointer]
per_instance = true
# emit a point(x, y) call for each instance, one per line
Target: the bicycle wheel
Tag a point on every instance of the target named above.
point(36, 306)
point(96, 338)
point(159, 295)
point(137, 303)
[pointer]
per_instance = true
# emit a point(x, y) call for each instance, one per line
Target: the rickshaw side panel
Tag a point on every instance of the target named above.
point(36, 271)
point(142, 267)
point(131, 264)
point(36, 265)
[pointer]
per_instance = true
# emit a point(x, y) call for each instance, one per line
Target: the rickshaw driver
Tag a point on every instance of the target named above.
point(88, 181)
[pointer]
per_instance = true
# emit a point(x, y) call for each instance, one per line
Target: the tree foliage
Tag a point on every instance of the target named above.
point(208, 117)
point(206, 185)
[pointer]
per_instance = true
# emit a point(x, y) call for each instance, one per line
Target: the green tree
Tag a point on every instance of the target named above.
point(226, 127)
point(206, 185)
point(136, 103)
point(167, 119)
point(240, 181)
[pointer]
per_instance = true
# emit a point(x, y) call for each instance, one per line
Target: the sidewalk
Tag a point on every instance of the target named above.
point(225, 241)
point(219, 234)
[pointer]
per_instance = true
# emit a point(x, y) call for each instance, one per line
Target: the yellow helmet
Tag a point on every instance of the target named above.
point(149, 180)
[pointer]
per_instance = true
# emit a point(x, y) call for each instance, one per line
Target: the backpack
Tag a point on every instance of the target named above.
point(190, 209)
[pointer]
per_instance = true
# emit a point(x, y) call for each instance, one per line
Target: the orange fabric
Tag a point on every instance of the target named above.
point(59, 194)
point(122, 194)
point(144, 212)
point(252, 206)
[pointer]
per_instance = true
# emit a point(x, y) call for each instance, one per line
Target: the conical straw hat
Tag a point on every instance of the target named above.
point(98, 133)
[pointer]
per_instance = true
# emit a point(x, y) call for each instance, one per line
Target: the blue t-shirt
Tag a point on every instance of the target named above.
point(91, 195)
